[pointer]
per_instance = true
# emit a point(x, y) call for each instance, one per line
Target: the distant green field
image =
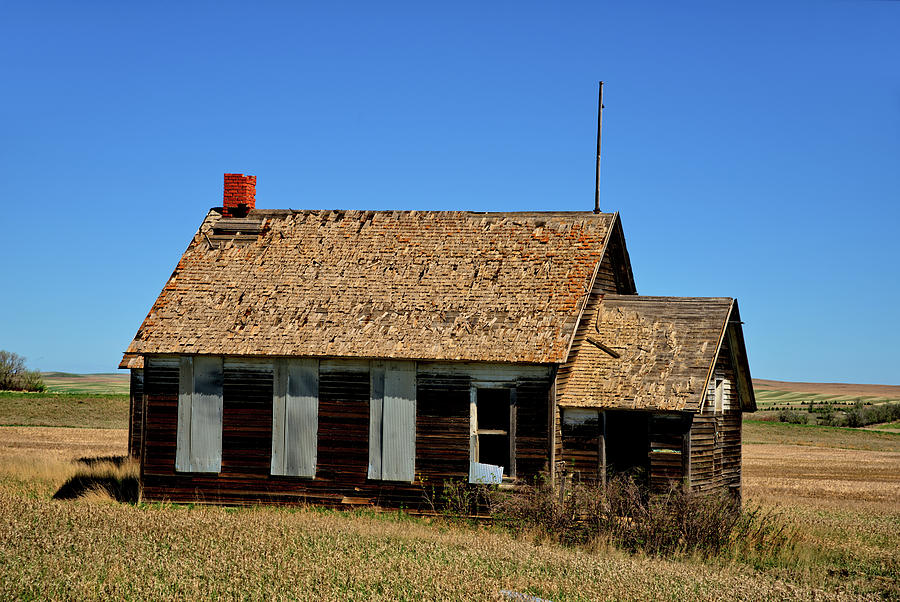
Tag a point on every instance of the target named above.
point(80, 410)
point(796, 405)
point(64, 382)
point(760, 432)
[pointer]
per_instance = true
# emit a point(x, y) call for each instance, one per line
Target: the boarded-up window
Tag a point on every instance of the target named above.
point(198, 445)
point(295, 417)
point(392, 421)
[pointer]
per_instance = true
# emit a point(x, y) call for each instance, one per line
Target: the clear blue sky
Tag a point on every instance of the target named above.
point(752, 149)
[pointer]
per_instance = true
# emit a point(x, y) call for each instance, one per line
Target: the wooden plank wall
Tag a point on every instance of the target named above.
point(716, 437)
point(730, 426)
point(136, 412)
point(442, 426)
point(247, 419)
point(532, 454)
point(442, 439)
point(703, 444)
point(666, 438)
point(581, 448)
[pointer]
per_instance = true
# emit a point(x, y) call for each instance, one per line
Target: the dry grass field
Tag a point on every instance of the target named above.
point(837, 488)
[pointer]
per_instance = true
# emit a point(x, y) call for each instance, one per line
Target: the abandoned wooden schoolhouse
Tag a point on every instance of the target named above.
point(362, 357)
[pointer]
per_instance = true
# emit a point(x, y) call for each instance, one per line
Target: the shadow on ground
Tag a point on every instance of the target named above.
point(117, 461)
point(102, 474)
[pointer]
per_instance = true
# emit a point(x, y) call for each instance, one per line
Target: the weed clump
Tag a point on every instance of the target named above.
point(625, 515)
point(793, 416)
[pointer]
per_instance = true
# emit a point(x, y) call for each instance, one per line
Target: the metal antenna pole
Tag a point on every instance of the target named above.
point(597, 173)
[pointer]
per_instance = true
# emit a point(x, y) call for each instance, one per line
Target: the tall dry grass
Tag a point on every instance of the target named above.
point(673, 524)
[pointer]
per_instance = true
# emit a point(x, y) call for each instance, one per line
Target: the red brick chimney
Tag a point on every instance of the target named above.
point(240, 195)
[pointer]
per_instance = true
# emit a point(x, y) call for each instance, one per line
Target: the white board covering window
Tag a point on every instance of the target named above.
point(295, 417)
point(198, 445)
point(392, 421)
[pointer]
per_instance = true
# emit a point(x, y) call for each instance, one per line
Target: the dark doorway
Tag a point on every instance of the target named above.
point(628, 444)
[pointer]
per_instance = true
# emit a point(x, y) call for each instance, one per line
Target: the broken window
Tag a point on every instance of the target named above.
point(720, 394)
point(295, 417)
point(492, 448)
point(392, 421)
point(198, 444)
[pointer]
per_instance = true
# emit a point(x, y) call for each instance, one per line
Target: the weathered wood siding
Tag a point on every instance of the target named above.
point(441, 435)
point(135, 412)
point(442, 424)
point(666, 449)
point(716, 435)
point(247, 418)
point(581, 444)
point(531, 416)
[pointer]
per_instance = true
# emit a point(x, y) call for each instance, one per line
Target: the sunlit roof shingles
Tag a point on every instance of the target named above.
point(666, 347)
point(312, 268)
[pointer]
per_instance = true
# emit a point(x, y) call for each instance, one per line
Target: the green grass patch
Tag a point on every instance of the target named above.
point(756, 431)
point(63, 409)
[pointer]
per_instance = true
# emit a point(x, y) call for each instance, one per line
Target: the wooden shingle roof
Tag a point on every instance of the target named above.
point(439, 285)
point(658, 354)
point(131, 361)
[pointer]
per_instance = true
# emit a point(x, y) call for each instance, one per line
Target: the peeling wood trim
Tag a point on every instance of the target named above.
point(617, 220)
point(603, 347)
point(712, 365)
point(584, 303)
point(590, 289)
point(742, 361)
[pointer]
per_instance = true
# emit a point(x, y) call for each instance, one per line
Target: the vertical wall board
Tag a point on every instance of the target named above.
point(376, 406)
point(185, 394)
point(512, 432)
point(301, 418)
point(136, 414)
point(601, 443)
point(206, 415)
point(398, 458)
point(279, 395)
point(582, 437)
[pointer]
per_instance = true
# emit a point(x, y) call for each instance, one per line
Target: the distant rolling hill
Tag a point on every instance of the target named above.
point(66, 382)
point(836, 389)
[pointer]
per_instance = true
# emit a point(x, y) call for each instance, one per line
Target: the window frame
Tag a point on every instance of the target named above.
point(475, 432)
